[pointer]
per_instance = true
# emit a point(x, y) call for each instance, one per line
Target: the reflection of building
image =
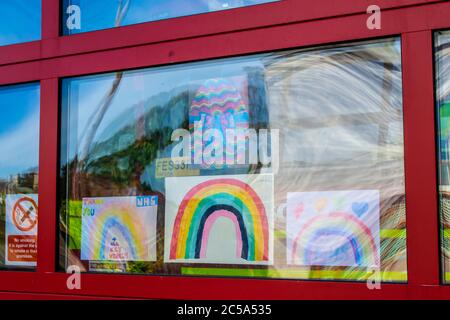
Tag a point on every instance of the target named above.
point(3, 183)
point(25, 180)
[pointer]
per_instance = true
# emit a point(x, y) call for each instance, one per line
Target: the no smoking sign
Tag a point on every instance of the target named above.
point(24, 214)
point(21, 229)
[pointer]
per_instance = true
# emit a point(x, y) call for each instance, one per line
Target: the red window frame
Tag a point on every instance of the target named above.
point(267, 27)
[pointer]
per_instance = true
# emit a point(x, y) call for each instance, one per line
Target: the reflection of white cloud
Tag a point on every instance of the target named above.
point(20, 147)
point(333, 145)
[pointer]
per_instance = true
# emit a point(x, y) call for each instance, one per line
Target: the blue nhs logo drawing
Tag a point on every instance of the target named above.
point(146, 201)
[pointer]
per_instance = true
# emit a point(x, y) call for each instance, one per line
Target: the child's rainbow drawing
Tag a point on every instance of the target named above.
point(335, 228)
point(218, 104)
point(119, 229)
point(199, 208)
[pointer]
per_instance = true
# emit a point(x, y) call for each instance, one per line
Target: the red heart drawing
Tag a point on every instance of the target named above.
point(299, 210)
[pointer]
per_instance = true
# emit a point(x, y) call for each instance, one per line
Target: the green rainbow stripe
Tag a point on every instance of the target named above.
point(400, 276)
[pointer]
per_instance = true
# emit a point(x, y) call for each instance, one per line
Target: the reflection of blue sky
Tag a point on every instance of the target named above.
point(19, 128)
point(100, 14)
point(155, 87)
point(137, 86)
point(335, 124)
point(351, 88)
point(20, 21)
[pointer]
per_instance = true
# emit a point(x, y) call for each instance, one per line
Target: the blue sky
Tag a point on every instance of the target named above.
point(19, 128)
point(100, 14)
point(20, 21)
point(19, 101)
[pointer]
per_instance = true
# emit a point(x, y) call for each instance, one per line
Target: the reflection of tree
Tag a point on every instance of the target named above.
point(94, 122)
point(109, 167)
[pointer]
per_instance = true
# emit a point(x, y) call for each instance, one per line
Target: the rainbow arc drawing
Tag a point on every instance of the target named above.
point(334, 228)
point(196, 206)
point(118, 229)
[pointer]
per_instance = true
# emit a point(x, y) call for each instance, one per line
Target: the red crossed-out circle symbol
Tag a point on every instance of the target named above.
point(25, 213)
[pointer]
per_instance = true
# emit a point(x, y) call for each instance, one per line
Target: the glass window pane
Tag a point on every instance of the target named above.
point(86, 15)
point(278, 165)
point(443, 105)
point(19, 158)
point(20, 21)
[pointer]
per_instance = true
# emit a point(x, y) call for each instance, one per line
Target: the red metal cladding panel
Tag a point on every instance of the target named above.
point(20, 52)
point(156, 287)
point(246, 18)
point(203, 288)
point(420, 159)
point(50, 19)
point(34, 296)
point(48, 171)
point(348, 28)
point(31, 51)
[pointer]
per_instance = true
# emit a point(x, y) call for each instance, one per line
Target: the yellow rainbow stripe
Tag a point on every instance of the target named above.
point(400, 276)
point(128, 221)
